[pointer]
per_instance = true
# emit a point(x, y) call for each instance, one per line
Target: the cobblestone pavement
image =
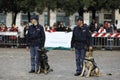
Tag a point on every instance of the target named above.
point(15, 64)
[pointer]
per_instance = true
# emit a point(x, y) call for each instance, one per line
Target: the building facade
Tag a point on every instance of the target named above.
point(56, 16)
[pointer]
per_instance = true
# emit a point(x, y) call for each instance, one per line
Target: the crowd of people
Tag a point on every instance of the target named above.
point(94, 27)
point(24, 27)
point(21, 30)
point(107, 27)
point(57, 27)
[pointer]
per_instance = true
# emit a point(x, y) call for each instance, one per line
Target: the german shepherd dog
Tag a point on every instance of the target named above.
point(43, 67)
point(90, 65)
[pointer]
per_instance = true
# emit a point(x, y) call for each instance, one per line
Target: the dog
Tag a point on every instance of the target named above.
point(90, 65)
point(43, 67)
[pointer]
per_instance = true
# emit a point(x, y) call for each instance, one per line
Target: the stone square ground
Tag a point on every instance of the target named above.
point(15, 64)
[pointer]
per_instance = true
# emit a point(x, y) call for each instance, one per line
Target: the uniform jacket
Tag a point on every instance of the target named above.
point(35, 36)
point(81, 37)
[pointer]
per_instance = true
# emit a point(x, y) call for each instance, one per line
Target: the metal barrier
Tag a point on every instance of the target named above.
point(8, 39)
point(100, 40)
point(106, 40)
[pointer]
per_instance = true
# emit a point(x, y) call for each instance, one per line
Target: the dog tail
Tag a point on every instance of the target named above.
point(108, 74)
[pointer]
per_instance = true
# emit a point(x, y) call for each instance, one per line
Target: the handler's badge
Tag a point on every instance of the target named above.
point(84, 30)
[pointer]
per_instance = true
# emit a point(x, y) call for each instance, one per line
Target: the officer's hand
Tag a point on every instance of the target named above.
point(90, 48)
point(40, 49)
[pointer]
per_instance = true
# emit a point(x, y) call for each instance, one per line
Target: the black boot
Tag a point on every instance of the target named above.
point(32, 71)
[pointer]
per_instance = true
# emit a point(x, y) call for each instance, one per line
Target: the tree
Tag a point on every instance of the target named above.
point(16, 6)
point(12, 6)
point(109, 5)
point(80, 6)
point(68, 6)
point(72, 6)
point(1, 5)
point(46, 5)
point(112, 5)
point(28, 6)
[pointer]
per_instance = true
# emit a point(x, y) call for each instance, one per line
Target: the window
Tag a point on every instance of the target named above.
point(45, 19)
point(107, 16)
point(76, 19)
point(62, 18)
point(24, 17)
point(2, 18)
point(96, 17)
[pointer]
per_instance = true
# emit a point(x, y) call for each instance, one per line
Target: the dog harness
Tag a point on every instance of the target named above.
point(94, 64)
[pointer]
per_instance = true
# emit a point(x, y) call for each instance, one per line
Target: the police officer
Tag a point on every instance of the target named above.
point(81, 38)
point(35, 40)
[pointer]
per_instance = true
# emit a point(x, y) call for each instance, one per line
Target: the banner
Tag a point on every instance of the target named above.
point(58, 39)
point(9, 33)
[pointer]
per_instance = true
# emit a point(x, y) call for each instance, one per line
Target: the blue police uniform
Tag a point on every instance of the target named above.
point(81, 38)
point(35, 40)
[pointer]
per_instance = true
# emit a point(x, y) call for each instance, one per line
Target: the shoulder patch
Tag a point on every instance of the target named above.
point(84, 30)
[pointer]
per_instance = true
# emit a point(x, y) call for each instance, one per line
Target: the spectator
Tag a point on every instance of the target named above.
point(3, 37)
point(3, 28)
point(102, 29)
point(26, 31)
point(108, 28)
point(53, 28)
point(115, 30)
point(68, 29)
point(101, 40)
point(47, 28)
point(14, 28)
point(13, 39)
point(60, 27)
point(21, 33)
point(94, 27)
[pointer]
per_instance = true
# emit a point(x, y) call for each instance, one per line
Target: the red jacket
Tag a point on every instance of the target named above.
point(13, 29)
point(3, 29)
